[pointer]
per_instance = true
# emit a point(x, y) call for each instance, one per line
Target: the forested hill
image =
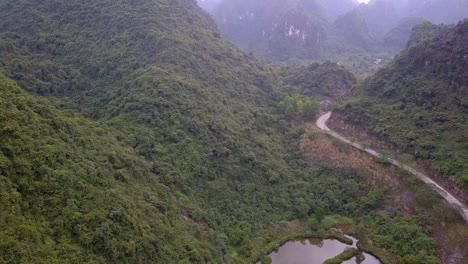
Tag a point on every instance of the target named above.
point(94, 50)
point(187, 157)
point(71, 192)
point(298, 30)
point(140, 135)
point(419, 102)
point(275, 29)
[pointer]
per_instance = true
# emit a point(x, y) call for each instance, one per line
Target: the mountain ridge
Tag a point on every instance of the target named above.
point(426, 83)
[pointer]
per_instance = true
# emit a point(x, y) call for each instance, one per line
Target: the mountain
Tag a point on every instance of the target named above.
point(132, 132)
point(373, 28)
point(146, 137)
point(299, 30)
point(418, 102)
point(335, 8)
point(352, 33)
point(73, 192)
point(275, 30)
point(425, 32)
point(380, 16)
point(398, 37)
point(323, 81)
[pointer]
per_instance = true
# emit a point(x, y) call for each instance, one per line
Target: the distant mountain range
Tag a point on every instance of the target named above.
point(299, 29)
point(132, 132)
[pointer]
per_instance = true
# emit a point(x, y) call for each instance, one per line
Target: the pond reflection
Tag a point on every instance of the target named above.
point(316, 251)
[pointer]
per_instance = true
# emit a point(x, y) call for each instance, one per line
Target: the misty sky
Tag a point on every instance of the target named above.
point(363, 1)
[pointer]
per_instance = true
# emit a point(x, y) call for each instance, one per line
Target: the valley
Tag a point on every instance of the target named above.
point(457, 205)
point(183, 131)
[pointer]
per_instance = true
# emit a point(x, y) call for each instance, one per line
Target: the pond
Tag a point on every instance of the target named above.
point(316, 251)
point(365, 259)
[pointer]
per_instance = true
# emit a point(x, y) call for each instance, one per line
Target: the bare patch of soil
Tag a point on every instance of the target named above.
point(451, 234)
point(337, 123)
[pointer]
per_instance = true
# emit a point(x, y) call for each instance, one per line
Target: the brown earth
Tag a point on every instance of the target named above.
point(450, 231)
point(337, 123)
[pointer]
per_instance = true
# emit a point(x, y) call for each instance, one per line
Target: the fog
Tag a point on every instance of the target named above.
point(436, 11)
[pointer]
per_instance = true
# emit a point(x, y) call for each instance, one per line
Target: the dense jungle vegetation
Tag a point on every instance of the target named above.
point(131, 132)
point(418, 102)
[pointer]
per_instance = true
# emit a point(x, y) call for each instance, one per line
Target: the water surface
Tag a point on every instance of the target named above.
point(308, 251)
point(316, 251)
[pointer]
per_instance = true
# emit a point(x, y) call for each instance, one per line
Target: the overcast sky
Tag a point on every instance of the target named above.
point(363, 1)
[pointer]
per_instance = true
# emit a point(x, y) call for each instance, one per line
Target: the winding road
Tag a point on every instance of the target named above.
point(454, 202)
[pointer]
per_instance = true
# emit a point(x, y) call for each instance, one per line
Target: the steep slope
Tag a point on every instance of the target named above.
point(297, 30)
point(352, 33)
point(211, 169)
point(398, 37)
point(199, 113)
point(373, 27)
point(380, 16)
point(275, 30)
point(335, 8)
point(319, 81)
point(71, 192)
point(418, 102)
point(425, 32)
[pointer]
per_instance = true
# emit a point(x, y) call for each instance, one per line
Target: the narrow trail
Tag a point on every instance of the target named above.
point(454, 202)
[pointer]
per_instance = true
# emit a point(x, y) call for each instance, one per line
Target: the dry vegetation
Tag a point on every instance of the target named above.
point(317, 147)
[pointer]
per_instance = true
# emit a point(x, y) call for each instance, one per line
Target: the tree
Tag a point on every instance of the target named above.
point(319, 214)
point(309, 109)
point(295, 106)
point(266, 260)
point(303, 209)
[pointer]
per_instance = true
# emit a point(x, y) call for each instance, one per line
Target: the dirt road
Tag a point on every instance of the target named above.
point(454, 202)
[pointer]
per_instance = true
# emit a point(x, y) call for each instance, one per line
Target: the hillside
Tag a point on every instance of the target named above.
point(72, 192)
point(295, 31)
point(218, 161)
point(319, 81)
point(399, 36)
point(380, 16)
point(140, 135)
point(275, 30)
point(418, 102)
point(335, 8)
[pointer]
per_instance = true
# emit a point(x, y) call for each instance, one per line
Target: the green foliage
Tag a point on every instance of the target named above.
point(244, 22)
point(182, 157)
point(403, 236)
point(319, 214)
point(320, 221)
point(186, 158)
point(266, 260)
point(346, 255)
point(291, 31)
point(296, 107)
point(71, 192)
point(317, 80)
point(425, 32)
point(415, 102)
